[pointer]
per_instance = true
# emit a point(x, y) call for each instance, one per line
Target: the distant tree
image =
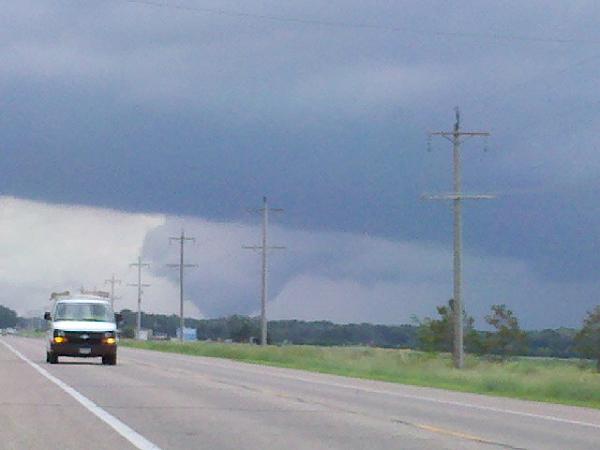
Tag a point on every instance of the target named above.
point(438, 334)
point(8, 318)
point(242, 328)
point(559, 343)
point(508, 339)
point(588, 338)
point(128, 332)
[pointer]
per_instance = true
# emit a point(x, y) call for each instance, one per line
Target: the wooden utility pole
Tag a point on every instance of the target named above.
point(264, 249)
point(181, 239)
point(457, 137)
point(139, 264)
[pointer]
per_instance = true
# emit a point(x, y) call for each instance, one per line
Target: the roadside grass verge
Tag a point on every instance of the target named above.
point(31, 333)
point(570, 382)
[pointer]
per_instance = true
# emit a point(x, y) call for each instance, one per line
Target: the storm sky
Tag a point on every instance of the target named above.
point(123, 121)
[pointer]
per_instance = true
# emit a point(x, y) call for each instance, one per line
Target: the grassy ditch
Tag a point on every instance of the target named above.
point(31, 333)
point(549, 380)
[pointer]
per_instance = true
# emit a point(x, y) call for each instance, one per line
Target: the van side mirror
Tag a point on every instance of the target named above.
point(47, 316)
point(118, 318)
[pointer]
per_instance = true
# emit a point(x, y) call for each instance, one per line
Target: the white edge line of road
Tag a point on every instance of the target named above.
point(128, 433)
point(395, 394)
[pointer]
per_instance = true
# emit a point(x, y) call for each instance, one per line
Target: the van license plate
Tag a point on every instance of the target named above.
point(85, 351)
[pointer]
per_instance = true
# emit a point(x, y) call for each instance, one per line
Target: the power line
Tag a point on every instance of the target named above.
point(365, 26)
point(264, 249)
point(457, 137)
point(181, 239)
point(139, 264)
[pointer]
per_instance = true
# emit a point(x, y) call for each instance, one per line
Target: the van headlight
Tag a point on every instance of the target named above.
point(109, 338)
point(59, 337)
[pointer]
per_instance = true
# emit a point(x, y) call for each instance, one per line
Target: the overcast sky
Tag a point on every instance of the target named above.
point(122, 121)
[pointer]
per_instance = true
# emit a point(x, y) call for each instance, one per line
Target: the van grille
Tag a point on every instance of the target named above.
point(83, 337)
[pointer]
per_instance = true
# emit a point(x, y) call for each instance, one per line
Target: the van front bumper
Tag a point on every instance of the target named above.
point(83, 350)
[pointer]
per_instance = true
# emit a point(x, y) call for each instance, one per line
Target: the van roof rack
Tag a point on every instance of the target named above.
point(56, 295)
point(95, 293)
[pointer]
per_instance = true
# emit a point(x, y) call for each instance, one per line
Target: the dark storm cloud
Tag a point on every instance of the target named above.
point(349, 277)
point(166, 109)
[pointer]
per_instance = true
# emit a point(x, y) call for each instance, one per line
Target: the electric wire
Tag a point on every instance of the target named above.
point(365, 26)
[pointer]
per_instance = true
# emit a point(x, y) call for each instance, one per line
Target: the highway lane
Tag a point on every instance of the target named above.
point(37, 414)
point(177, 401)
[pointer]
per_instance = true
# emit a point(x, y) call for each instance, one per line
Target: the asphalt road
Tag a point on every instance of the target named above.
point(167, 401)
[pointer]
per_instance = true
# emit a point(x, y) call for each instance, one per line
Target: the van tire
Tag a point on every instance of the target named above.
point(110, 360)
point(52, 358)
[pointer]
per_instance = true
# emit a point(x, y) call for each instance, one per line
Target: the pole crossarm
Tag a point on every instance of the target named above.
point(260, 210)
point(171, 239)
point(455, 136)
point(458, 196)
point(260, 247)
point(112, 280)
point(459, 133)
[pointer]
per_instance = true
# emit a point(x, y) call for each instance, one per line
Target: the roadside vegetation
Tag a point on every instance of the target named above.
point(572, 382)
point(31, 333)
point(8, 318)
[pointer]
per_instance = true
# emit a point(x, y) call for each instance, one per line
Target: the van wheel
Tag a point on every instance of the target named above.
point(47, 357)
point(109, 360)
point(52, 358)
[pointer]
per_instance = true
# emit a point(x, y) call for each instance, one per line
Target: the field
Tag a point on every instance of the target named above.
point(569, 382)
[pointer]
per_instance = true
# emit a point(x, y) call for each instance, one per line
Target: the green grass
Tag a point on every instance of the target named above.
point(32, 333)
point(547, 380)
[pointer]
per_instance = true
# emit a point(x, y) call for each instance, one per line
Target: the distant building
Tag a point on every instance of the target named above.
point(159, 337)
point(189, 334)
point(145, 335)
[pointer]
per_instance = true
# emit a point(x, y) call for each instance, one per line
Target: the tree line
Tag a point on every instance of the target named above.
point(506, 337)
point(238, 328)
point(8, 317)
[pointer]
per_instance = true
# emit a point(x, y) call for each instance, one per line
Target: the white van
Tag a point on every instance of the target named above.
point(82, 325)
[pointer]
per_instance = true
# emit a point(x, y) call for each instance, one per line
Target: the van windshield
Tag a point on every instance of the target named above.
point(90, 312)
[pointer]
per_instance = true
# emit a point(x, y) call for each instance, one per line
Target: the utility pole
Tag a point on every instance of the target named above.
point(112, 281)
point(264, 248)
point(139, 264)
point(457, 137)
point(181, 266)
